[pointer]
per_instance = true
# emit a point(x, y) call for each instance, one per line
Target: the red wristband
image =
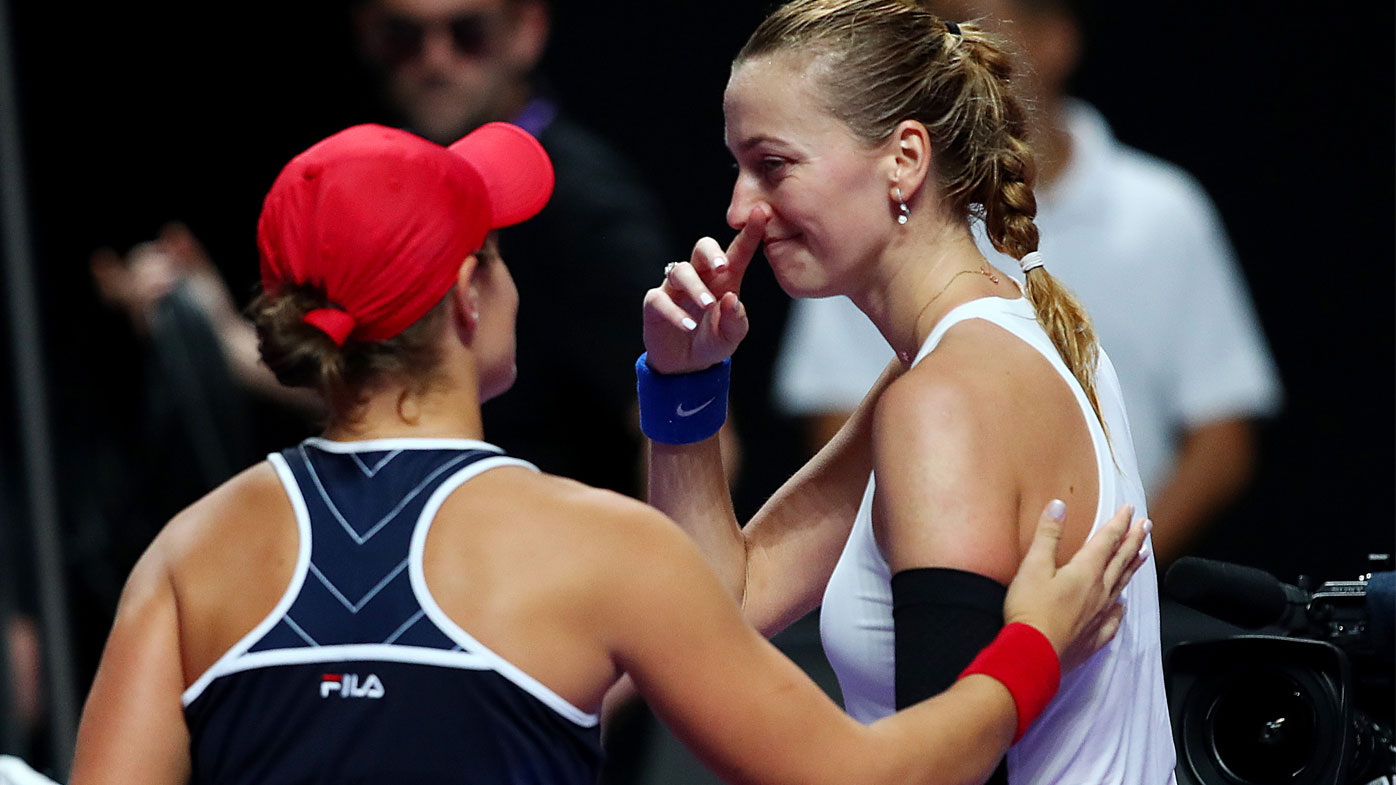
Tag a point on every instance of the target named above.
point(1023, 660)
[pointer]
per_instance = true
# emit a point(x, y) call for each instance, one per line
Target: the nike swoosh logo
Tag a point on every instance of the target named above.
point(682, 412)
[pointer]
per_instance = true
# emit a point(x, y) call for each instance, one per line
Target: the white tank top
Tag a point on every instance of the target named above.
point(1108, 724)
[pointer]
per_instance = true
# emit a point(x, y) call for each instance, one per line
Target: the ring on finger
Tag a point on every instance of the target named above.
point(669, 268)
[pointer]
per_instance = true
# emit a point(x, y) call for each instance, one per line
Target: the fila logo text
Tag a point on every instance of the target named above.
point(349, 685)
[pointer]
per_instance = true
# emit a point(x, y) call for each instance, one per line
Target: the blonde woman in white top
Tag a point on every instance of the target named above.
point(868, 134)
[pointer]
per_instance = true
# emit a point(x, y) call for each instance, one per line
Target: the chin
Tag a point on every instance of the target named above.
point(797, 271)
point(801, 281)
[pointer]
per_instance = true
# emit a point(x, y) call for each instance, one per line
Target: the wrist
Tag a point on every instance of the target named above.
point(1024, 661)
point(682, 408)
point(1056, 639)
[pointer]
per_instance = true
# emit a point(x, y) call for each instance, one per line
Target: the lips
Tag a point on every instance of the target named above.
point(775, 242)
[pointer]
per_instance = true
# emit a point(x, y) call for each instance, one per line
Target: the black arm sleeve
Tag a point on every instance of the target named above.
point(942, 618)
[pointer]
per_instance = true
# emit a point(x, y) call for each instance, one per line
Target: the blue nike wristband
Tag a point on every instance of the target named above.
point(682, 408)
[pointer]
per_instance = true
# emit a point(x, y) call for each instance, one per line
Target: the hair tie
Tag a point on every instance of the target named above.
point(1030, 261)
point(953, 29)
point(334, 322)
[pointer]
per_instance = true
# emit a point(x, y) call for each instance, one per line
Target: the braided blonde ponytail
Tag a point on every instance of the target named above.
point(1003, 191)
point(886, 61)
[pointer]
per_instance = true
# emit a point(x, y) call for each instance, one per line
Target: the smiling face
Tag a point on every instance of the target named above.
point(827, 193)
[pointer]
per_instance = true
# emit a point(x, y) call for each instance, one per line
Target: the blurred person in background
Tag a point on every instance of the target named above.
point(446, 66)
point(1142, 245)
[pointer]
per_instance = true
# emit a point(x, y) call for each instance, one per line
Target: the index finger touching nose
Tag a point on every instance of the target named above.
point(744, 247)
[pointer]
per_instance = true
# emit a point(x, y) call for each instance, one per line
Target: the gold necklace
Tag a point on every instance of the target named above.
point(906, 356)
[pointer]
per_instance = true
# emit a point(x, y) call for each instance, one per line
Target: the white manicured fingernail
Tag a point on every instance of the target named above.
point(1056, 510)
point(1144, 552)
point(1148, 526)
point(706, 299)
point(689, 324)
point(719, 262)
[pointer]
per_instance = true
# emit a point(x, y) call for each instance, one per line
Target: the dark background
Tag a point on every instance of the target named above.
point(134, 114)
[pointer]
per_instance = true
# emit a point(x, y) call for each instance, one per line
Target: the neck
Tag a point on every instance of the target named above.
point(926, 271)
point(447, 409)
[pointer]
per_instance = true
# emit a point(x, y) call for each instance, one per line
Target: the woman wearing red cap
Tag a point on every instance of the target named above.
point(397, 601)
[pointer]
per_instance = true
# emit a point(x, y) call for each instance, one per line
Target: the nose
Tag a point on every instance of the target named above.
point(438, 50)
point(744, 197)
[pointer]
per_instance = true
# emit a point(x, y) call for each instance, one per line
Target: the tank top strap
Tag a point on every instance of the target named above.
point(1015, 315)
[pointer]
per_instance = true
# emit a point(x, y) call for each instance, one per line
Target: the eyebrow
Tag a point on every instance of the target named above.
point(754, 141)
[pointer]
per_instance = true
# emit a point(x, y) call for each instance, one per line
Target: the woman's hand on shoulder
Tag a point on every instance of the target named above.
point(695, 318)
point(1075, 606)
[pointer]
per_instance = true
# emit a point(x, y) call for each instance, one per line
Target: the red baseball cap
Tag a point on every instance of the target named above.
point(382, 219)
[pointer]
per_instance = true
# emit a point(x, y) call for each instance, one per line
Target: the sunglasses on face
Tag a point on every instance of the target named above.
point(402, 39)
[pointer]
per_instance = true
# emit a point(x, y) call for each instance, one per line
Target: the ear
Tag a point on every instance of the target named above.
point(529, 36)
point(909, 158)
point(465, 300)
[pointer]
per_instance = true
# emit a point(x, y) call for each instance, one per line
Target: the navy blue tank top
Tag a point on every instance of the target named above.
point(357, 676)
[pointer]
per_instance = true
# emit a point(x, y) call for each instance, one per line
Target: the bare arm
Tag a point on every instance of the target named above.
point(945, 495)
point(1214, 466)
point(754, 717)
point(132, 728)
point(780, 562)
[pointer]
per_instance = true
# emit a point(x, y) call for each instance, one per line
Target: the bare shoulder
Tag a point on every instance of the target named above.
point(244, 509)
point(942, 397)
point(959, 393)
point(566, 511)
point(944, 491)
point(591, 553)
point(229, 558)
point(938, 421)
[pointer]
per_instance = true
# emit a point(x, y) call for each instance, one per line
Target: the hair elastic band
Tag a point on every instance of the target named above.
point(1023, 660)
point(682, 408)
point(953, 29)
point(1030, 261)
point(334, 322)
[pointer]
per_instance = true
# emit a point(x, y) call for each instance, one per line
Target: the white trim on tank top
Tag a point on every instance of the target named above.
point(465, 640)
point(399, 443)
point(227, 663)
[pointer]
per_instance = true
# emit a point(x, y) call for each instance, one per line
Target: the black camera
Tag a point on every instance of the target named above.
point(1306, 702)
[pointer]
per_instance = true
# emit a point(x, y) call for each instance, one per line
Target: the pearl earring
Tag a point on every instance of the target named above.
point(905, 214)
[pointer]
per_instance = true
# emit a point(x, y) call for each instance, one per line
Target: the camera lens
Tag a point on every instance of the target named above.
point(1263, 728)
